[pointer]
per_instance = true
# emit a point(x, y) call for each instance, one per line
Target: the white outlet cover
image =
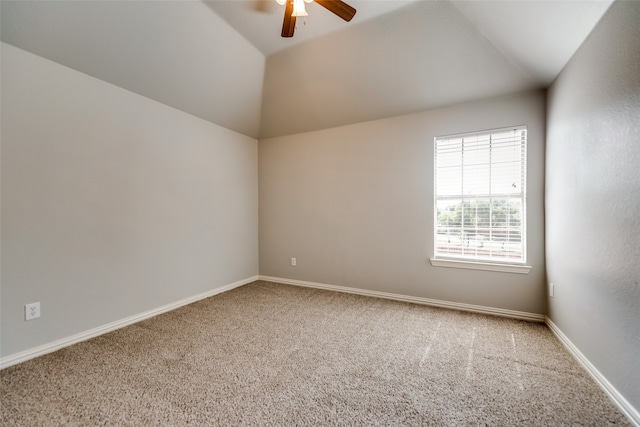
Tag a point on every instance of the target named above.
point(32, 311)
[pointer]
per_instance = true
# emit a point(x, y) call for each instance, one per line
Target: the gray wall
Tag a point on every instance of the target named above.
point(593, 198)
point(354, 205)
point(112, 204)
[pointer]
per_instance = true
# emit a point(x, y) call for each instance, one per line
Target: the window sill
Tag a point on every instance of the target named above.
point(505, 268)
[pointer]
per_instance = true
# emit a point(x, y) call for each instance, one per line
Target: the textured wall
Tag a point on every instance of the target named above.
point(593, 198)
point(112, 204)
point(354, 205)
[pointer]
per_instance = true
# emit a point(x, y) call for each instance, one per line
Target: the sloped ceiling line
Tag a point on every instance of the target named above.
point(522, 69)
point(395, 57)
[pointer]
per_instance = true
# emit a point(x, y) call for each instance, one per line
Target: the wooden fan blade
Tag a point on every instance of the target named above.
point(289, 22)
point(338, 7)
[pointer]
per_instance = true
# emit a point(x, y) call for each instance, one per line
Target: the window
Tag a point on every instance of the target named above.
point(480, 197)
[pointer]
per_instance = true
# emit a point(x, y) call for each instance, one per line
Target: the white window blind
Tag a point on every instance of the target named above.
point(480, 196)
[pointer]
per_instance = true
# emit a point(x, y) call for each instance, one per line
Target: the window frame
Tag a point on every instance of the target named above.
point(482, 263)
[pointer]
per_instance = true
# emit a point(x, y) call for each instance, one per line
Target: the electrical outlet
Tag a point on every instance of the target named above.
point(552, 289)
point(293, 262)
point(32, 311)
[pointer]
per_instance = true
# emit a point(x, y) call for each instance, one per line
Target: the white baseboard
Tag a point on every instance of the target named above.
point(416, 300)
point(25, 355)
point(623, 404)
point(627, 409)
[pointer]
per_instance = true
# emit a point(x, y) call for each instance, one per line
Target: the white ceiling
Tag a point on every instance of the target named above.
point(538, 35)
point(260, 21)
point(179, 53)
point(224, 61)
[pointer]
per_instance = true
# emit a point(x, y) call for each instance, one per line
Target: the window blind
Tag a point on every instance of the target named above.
point(480, 196)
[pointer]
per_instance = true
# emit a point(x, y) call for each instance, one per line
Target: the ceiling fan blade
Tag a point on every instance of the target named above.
point(289, 22)
point(338, 7)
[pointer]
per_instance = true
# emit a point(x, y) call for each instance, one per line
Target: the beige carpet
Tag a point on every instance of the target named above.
point(271, 354)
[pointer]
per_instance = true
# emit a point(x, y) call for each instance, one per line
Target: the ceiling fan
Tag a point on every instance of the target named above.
point(295, 8)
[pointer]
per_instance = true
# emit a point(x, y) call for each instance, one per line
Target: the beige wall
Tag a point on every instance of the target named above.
point(593, 199)
point(112, 204)
point(354, 205)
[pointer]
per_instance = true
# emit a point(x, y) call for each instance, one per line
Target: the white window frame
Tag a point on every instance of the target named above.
point(481, 263)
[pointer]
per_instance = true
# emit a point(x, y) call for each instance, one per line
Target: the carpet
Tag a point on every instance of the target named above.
point(271, 355)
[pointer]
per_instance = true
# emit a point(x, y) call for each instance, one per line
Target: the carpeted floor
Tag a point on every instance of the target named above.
point(271, 354)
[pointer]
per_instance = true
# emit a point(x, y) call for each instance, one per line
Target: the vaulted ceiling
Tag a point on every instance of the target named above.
point(224, 61)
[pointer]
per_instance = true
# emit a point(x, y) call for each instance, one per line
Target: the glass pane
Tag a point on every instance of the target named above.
point(476, 180)
point(476, 151)
point(477, 225)
point(449, 227)
point(448, 155)
point(506, 178)
point(449, 181)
